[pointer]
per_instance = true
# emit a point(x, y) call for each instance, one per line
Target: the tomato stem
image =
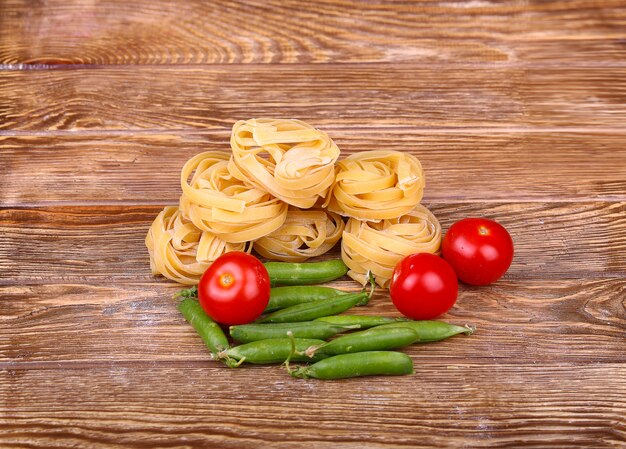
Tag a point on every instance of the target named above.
point(226, 280)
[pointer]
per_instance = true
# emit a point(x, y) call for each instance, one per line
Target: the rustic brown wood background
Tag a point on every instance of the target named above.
point(517, 110)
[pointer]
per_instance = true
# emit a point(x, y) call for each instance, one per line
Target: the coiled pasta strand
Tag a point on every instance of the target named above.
point(305, 234)
point(180, 251)
point(379, 246)
point(219, 203)
point(377, 185)
point(288, 158)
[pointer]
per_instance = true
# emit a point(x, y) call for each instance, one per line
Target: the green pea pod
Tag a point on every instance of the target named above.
point(210, 332)
point(372, 363)
point(273, 350)
point(286, 273)
point(375, 339)
point(246, 333)
point(315, 309)
point(363, 321)
point(432, 330)
point(282, 297)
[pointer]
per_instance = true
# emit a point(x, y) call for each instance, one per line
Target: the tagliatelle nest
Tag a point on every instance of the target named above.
point(254, 193)
point(219, 203)
point(377, 185)
point(305, 234)
point(182, 252)
point(288, 158)
point(379, 246)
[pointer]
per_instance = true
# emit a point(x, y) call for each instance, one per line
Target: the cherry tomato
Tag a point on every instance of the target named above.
point(479, 250)
point(235, 289)
point(423, 286)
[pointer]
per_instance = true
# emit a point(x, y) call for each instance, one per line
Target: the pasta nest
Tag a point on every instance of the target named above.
point(182, 252)
point(288, 158)
point(219, 203)
point(377, 185)
point(379, 246)
point(305, 234)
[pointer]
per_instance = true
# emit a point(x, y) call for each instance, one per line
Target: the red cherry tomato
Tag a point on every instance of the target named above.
point(479, 250)
point(423, 286)
point(235, 289)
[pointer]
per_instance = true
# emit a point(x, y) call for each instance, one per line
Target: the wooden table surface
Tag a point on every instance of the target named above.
point(517, 111)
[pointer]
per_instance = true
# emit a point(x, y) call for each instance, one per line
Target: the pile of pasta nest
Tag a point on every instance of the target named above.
point(282, 190)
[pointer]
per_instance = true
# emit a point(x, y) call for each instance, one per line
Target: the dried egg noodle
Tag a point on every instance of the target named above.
point(217, 202)
point(180, 251)
point(376, 185)
point(255, 192)
point(305, 234)
point(288, 158)
point(379, 246)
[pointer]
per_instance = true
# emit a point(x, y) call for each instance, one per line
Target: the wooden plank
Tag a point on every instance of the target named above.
point(459, 167)
point(518, 321)
point(363, 96)
point(104, 244)
point(161, 32)
point(200, 405)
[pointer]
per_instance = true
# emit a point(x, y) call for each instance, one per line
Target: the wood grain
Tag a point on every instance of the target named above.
point(518, 321)
point(517, 111)
point(103, 244)
point(121, 169)
point(370, 96)
point(196, 32)
point(201, 405)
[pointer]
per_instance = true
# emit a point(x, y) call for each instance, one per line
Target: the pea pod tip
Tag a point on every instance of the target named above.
point(471, 328)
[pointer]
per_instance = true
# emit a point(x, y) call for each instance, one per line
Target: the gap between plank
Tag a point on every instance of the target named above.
point(202, 363)
point(168, 65)
point(435, 201)
point(374, 129)
point(105, 280)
